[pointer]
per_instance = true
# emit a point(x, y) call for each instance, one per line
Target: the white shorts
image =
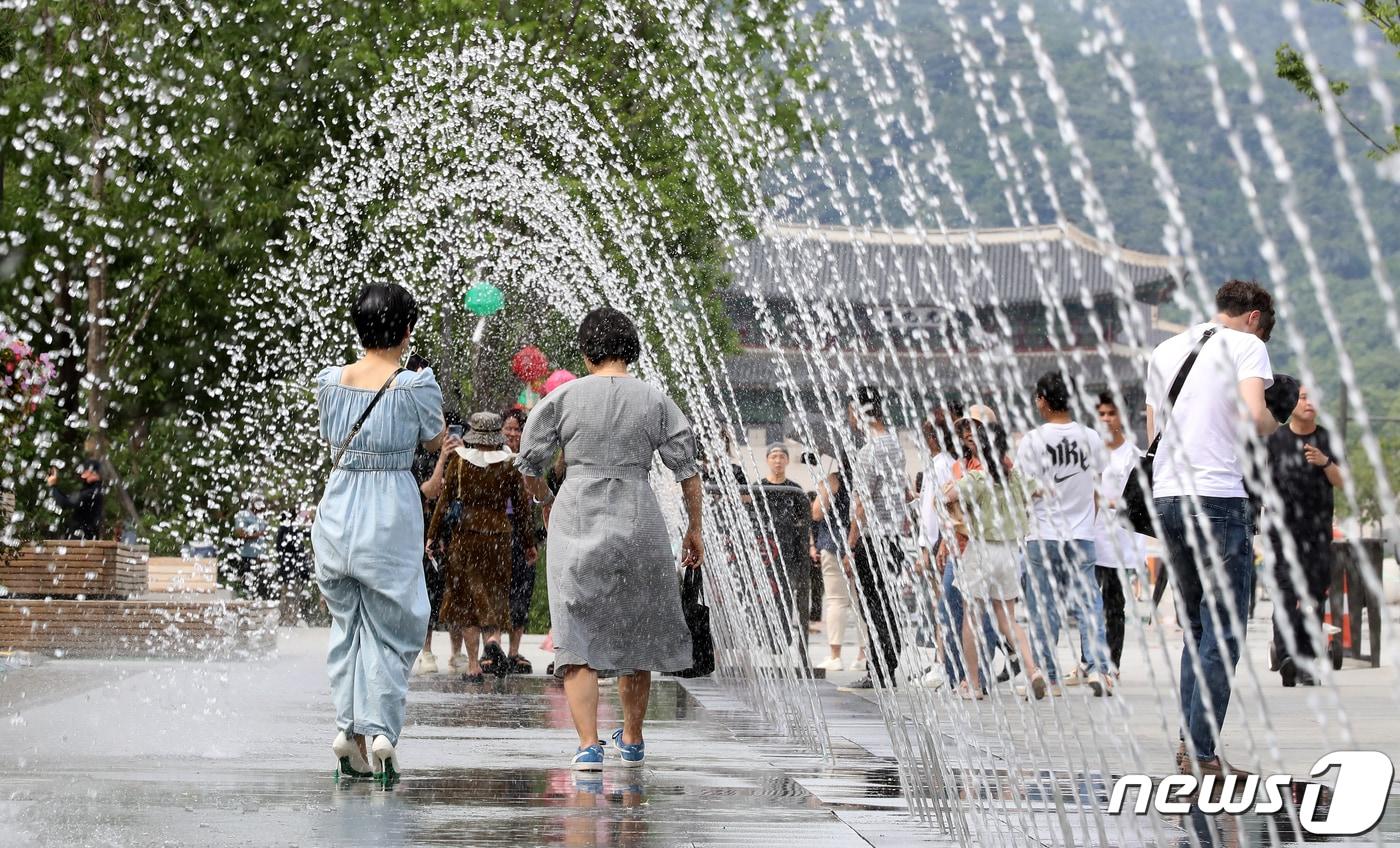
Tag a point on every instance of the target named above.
point(989, 570)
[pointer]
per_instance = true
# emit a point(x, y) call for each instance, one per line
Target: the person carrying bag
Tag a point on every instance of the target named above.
point(1137, 490)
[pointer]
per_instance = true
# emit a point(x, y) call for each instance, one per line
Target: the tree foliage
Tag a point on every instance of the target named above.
point(1293, 66)
point(160, 147)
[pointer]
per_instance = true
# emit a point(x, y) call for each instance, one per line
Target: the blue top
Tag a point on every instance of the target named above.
point(371, 508)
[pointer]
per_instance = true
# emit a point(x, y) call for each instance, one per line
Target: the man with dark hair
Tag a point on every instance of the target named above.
point(1118, 551)
point(1200, 499)
point(1304, 472)
point(878, 518)
point(1066, 458)
point(84, 509)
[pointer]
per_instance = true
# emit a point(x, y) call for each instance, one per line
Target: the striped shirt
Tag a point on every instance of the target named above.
point(881, 484)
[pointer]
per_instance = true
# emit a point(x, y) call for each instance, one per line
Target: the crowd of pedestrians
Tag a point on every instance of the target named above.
point(427, 524)
point(1009, 538)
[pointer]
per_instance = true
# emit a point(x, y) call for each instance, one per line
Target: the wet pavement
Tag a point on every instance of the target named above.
point(159, 752)
point(164, 752)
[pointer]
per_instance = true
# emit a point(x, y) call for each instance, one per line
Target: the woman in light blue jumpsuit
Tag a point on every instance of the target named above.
point(368, 535)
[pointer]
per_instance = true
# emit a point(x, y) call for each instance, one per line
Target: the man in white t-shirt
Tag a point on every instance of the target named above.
point(1066, 457)
point(1199, 491)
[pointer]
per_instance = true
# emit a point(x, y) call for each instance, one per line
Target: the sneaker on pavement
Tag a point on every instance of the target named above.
point(857, 664)
point(632, 755)
point(864, 683)
point(425, 664)
point(458, 662)
point(830, 664)
point(931, 679)
point(588, 759)
point(1075, 678)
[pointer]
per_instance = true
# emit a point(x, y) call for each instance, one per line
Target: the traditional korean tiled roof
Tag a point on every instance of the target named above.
point(956, 267)
point(960, 373)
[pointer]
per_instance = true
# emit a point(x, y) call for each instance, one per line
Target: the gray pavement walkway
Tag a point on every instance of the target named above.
point(137, 753)
point(161, 752)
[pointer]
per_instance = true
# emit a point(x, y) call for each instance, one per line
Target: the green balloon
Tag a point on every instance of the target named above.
point(484, 299)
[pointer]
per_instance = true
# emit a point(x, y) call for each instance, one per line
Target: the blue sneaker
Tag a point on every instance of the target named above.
point(589, 759)
point(632, 755)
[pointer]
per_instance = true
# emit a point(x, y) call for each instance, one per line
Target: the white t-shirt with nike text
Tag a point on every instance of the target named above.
point(1200, 450)
point(1067, 460)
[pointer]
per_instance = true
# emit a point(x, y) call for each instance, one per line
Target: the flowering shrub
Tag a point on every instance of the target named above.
point(24, 379)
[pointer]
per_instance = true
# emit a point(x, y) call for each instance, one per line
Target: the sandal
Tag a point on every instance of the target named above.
point(494, 660)
point(520, 665)
point(965, 692)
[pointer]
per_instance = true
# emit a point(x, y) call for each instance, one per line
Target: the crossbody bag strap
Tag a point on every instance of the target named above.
point(364, 416)
point(1175, 390)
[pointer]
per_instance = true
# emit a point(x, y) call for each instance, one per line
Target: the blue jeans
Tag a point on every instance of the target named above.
point(952, 611)
point(1061, 574)
point(1217, 609)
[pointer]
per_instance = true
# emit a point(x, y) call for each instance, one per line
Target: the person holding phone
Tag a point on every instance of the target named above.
point(427, 470)
point(1302, 463)
point(84, 509)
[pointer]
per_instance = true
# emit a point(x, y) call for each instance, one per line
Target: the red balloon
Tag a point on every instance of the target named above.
point(529, 364)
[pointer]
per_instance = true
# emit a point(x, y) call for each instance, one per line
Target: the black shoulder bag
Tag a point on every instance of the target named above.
point(697, 618)
point(364, 416)
point(1137, 491)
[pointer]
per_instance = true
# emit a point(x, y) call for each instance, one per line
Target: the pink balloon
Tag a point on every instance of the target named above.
point(557, 379)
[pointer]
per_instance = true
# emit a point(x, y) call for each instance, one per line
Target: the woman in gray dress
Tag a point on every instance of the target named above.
point(614, 598)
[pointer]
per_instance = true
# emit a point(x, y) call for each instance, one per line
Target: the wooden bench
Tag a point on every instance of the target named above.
point(68, 568)
point(116, 628)
point(177, 574)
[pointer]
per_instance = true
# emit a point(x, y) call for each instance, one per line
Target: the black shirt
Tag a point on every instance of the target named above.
point(84, 511)
point(792, 520)
point(1303, 488)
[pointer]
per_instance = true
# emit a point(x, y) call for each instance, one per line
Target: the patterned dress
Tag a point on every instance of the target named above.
point(614, 598)
point(477, 583)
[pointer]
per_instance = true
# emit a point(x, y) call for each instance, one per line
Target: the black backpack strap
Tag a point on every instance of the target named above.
point(364, 416)
point(1175, 391)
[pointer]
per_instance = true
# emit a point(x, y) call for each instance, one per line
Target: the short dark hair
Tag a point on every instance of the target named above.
point(605, 333)
point(514, 412)
point(1238, 297)
point(1054, 389)
point(86, 465)
point(870, 402)
point(1106, 398)
point(383, 315)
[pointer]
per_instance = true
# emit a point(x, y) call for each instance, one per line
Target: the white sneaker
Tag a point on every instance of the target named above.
point(831, 664)
point(458, 662)
point(931, 679)
point(857, 664)
point(1100, 685)
point(425, 664)
point(1074, 678)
